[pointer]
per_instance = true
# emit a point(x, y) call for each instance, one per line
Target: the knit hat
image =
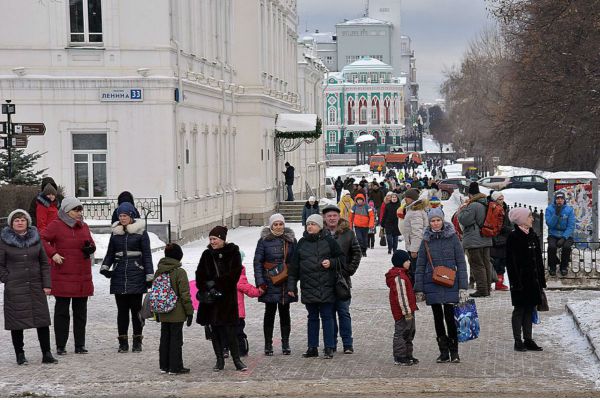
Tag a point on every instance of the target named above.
point(315, 219)
point(359, 196)
point(435, 213)
point(330, 207)
point(312, 199)
point(558, 195)
point(412, 194)
point(399, 258)
point(435, 202)
point(474, 188)
point(49, 189)
point(518, 215)
point(127, 208)
point(276, 217)
point(13, 215)
point(496, 195)
point(70, 203)
point(173, 250)
point(219, 231)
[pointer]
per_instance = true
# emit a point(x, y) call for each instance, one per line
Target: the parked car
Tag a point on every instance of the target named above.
point(528, 182)
point(494, 182)
point(447, 186)
point(329, 187)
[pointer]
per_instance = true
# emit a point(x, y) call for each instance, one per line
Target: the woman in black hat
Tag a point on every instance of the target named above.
point(217, 276)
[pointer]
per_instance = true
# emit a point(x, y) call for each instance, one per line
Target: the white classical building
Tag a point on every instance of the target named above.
point(363, 99)
point(175, 99)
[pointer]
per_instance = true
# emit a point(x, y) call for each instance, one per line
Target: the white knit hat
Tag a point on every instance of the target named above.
point(276, 217)
point(311, 198)
point(496, 195)
point(18, 210)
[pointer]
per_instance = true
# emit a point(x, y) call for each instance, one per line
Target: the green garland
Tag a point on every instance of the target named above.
point(306, 135)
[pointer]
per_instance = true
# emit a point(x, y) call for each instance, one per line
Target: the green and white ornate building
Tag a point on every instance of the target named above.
point(364, 98)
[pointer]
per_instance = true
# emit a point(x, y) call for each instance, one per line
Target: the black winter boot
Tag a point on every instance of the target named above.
point(268, 330)
point(136, 346)
point(21, 360)
point(453, 346)
point(235, 350)
point(531, 345)
point(48, 358)
point(443, 345)
point(123, 343)
point(218, 349)
point(311, 352)
point(285, 340)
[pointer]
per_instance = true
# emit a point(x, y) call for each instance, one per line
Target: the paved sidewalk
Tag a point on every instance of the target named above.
point(489, 365)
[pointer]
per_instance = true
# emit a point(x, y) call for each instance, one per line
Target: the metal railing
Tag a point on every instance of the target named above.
point(104, 208)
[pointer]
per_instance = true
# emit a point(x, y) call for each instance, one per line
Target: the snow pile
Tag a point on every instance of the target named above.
point(296, 123)
point(572, 175)
point(365, 138)
point(585, 314)
point(505, 170)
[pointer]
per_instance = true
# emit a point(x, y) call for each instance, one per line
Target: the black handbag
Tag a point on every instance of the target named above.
point(544, 306)
point(342, 288)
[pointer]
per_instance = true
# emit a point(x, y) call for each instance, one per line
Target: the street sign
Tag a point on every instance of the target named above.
point(18, 142)
point(127, 95)
point(8, 108)
point(29, 129)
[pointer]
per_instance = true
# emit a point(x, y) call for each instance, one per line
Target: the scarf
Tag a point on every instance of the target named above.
point(524, 229)
point(64, 217)
point(278, 232)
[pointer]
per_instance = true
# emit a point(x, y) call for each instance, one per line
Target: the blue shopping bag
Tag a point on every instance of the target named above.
point(467, 321)
point(535, 317)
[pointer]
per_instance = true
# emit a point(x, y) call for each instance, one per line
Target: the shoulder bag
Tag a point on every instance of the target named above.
point(442, 275)
point(278, 272)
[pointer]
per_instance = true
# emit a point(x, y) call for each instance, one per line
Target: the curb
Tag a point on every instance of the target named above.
point(595, 348)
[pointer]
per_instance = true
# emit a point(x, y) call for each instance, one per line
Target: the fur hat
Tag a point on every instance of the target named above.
point(496, 195)
point(70, 203)
point(276, 217)
point(14, 214)
point(49, 189)
point(126, 208)
point(173, 250)
point(518, 215)
point(412, 194)
point(315, 219)
point(474, 188)
point(399, 258)
point(330, 207)
point(219, 231)
point(435, 213)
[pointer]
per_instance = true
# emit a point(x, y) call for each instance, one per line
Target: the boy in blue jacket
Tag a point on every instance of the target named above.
point(560, 219)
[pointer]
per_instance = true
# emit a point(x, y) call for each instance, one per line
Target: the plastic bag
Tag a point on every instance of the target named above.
point(467, 321)
point(535, 317)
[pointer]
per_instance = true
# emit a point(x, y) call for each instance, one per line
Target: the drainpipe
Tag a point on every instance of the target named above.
point(221, 145)
point(178, 179)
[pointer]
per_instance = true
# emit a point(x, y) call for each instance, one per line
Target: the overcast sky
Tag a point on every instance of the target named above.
point(440, 31)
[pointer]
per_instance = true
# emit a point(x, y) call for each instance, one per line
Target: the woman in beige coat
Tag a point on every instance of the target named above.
point(413, 225)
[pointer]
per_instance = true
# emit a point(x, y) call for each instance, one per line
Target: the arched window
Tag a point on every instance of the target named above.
point(332, 116)
point(362, 111)
point(351, 120)
point(386, 107)
point(375, 111)
point(396, 110)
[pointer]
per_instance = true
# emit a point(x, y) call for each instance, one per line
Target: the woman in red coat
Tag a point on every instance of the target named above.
point(69, 245)
point(46, 207)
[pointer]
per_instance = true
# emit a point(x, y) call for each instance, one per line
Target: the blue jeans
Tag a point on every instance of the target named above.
point(290, 193)
point(392, 241)
point(362, 237)
point(341, 312)
point(325, 310)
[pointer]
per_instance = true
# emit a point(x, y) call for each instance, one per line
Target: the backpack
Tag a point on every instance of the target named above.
point(163, 298)
point(494, 219)
point(457, 227)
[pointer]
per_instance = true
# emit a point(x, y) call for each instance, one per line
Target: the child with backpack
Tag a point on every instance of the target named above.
point(179, 303)
point(403, 304)
point(371, 234)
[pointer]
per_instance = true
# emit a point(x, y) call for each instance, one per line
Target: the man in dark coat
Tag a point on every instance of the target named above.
point(289, 181)
point(338, 185)
point(340, 230)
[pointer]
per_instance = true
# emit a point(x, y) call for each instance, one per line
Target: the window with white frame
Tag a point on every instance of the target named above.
point(332, 116)
point(89, 158)
point(332, 137)
point(85, 21)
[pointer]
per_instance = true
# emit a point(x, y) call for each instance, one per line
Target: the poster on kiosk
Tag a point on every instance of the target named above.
point(581, 192)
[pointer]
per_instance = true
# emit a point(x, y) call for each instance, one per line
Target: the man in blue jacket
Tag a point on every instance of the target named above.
point(560, 219)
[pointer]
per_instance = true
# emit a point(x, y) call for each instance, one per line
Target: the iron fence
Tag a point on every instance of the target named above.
point(149, 208)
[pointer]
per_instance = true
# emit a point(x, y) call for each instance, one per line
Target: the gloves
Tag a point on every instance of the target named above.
point(88, 249)
point(560, 242)
point(106, 272)
point(408, 316)
point(463, 295)
point(420, 296)
point(190, 318)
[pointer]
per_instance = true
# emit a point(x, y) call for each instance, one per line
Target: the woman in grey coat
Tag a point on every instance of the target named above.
point(440, 240)
point(25, 272)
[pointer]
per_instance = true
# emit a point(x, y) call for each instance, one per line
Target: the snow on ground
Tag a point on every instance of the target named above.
point(586, 314)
